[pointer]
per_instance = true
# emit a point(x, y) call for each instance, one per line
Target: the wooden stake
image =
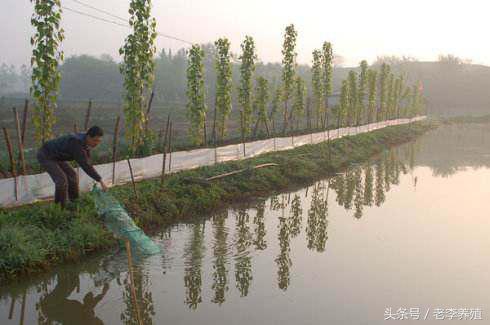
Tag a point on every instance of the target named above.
point(19, 141)
point(131, 279)
point(165, 148)
point(114, 149)
point(87, 115)
point(12, 159)
point(132, 178)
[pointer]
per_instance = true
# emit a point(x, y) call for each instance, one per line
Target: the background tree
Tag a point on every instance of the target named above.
point(223, 88)
point(138, 68)
point(288, 69)
point(317, 89)
point(327, 58)
point(299, 102)
point(372, 74)
point(196, 103)
point(353, 98)
point(362, 91)
point(247, 69)
point(45, 60)
point(260, 104)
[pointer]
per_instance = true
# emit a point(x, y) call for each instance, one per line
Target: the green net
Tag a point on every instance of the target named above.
point(118, 221)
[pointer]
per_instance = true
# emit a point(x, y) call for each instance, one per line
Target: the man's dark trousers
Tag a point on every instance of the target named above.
point(63, 175)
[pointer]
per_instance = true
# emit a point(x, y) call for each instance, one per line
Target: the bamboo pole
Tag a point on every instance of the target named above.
point(19, 141)
point(75, 130)
point(170, 136)
point(165, 148)
point(132, 178)
point(148, 109)
point(131, 279)
point(23, 309)
point(12, 160)
point(240, 171)
point(11, 310)
point(24, 120)
point(87, 115)
point(114, 149)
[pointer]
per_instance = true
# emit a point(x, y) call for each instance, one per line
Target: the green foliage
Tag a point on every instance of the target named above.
point(196, 103)
point(247, 69)
point(45, 60)
point(317, 85)
point(288, 69)
point(223, 86)
point(327, 61)
point(138, 68)
point(353, 98)
point(372, 90)
point(299, 101)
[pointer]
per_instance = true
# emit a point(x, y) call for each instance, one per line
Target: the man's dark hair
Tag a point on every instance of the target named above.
point(95, 131)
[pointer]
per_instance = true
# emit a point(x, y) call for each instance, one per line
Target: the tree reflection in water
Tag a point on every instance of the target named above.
point(220, 250)
point(193, 256)
point(243, 261)
point(354, 189)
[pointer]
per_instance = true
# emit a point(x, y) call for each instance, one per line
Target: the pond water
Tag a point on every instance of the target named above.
point(404, 235)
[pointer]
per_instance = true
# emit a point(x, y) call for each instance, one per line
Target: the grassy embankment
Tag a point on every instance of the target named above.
point(36, 237)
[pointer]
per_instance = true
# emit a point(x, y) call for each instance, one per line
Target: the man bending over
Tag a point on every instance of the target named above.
point(54, 155)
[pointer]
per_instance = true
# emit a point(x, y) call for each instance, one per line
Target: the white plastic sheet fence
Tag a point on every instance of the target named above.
point(32, 188)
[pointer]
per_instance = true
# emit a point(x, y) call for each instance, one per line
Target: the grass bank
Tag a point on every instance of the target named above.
point(36, 237)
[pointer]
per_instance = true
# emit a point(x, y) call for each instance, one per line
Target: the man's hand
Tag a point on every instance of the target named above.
point(102, 184)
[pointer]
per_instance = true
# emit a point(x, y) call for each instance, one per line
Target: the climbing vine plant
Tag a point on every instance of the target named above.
point(344, 103)
point(299, 101)
point(371, 76)
point(45, 60)
point(288, 69)
point(138, 68)
point(247, 69)
point(316, 83)
point(196, 103)
point(327, 69)
point(260, 104)
point(223, 87)
point(363, 81)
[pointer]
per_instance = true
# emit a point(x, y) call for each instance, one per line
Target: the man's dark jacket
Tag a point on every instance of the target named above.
point(71, 147)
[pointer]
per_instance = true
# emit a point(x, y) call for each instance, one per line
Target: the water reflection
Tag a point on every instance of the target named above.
point(56, 305)
point(239, 245)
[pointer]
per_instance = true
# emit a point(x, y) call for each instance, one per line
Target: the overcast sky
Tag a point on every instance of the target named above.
point(358, 29)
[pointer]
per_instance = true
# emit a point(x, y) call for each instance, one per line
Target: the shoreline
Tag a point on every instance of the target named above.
point(34, 238)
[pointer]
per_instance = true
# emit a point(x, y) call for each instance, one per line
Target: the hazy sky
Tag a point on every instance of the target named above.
point(358, 29)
